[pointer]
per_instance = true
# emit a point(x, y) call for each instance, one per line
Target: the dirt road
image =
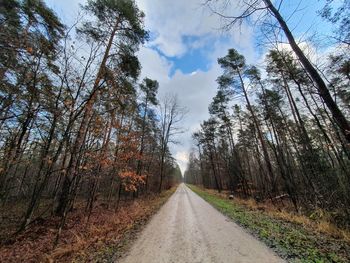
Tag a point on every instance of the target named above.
point(188, 229)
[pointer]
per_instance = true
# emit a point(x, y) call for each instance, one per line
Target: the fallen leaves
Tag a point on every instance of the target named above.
point(80, 238)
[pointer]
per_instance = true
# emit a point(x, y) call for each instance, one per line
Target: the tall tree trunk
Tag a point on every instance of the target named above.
point(314, 74)
point(271, 174)
point(79, 141)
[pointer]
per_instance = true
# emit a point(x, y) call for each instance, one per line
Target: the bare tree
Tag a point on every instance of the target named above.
point(171, 116)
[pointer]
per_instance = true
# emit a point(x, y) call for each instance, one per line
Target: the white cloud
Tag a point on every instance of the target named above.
point(182, 159)
point(194, 90)
point(171, 21)
point(67, 10)
point(154, 65)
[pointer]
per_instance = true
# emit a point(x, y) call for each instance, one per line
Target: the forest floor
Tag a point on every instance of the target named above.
point(294, 237)
point(103, 238)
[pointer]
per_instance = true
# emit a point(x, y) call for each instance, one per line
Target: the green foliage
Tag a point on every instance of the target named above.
point(150, 88)
point(121, 15)
point(234, 66)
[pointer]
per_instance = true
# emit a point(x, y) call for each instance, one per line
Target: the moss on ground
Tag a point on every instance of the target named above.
point(291, 241)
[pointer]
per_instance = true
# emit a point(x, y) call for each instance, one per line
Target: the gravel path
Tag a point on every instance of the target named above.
point(188, 229)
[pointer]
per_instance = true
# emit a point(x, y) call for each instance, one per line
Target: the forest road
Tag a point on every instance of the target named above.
point(188, 229)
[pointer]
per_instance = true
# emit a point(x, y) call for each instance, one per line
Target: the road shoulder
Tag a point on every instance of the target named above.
point(113, 249)
point(290, 241)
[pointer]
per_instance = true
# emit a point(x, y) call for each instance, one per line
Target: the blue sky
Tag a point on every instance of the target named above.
point(186, 43)
point(194, 59)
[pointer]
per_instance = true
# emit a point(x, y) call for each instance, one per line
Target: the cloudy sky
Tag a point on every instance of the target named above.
point(185, 44)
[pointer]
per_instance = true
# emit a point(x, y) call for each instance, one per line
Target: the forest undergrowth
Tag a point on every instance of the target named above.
point(101, 238)
point(294, 236)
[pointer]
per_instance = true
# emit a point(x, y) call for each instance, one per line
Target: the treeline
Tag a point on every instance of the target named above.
point(283, 139)
point(76, 124)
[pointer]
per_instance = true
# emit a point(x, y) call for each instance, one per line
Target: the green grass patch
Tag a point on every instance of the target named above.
point(292, 242)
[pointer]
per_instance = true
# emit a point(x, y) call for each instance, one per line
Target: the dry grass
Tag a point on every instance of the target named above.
point(294, 236)
point(320, 223)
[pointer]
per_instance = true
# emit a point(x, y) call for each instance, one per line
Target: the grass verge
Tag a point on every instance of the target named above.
point(292, 241)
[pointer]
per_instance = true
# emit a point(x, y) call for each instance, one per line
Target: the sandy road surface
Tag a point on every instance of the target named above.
point(188, 229)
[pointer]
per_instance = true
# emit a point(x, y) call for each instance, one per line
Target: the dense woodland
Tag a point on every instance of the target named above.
point(80, 129)
point(279, 132)
point(77, 124)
